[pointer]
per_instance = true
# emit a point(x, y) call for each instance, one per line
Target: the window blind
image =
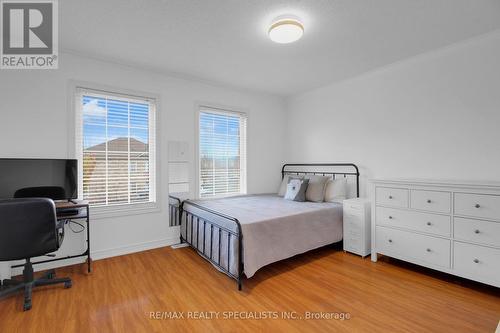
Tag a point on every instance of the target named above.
point(116, 145)
point(222, 153)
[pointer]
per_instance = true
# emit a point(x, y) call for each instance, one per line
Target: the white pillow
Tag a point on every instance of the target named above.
point(336, 190)
point(284, 183)
point(316, 189)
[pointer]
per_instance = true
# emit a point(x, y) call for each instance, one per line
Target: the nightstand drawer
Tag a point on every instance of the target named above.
point(354, 220)
point(355, 209)
point(353, 227)
point(433, 201)
point(353, 230)
point(395, 197)
point(353, 242)
point(355, 250)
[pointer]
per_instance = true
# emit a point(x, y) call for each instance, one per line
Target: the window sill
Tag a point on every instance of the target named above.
point(98, 213)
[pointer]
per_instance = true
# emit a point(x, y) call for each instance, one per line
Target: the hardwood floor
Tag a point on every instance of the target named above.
point(388, 296)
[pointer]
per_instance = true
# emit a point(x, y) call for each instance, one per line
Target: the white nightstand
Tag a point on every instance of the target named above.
point(357, 225)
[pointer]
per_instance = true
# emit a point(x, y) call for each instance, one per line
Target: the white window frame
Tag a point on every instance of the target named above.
point(199, 107)
point(76, 150)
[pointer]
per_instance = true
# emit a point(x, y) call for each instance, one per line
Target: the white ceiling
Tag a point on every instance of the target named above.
point(225, 41)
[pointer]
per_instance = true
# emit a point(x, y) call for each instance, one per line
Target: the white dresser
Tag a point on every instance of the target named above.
point(357, 224)
point(452, 227)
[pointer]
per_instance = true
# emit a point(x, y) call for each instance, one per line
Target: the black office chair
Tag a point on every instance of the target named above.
point(29, 228)
point(52, 192)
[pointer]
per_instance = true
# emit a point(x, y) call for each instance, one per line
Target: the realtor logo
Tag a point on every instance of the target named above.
point(29, 34)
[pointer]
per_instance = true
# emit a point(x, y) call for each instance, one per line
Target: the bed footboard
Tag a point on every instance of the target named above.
point(217, 237)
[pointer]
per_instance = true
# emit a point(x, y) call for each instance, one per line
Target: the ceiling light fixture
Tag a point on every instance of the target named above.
point(286, 30)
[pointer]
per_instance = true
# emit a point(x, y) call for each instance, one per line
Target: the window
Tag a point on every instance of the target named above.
point(116, 148)
point(222, 153)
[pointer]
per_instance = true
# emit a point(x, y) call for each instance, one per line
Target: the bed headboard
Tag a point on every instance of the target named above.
point(346, 170)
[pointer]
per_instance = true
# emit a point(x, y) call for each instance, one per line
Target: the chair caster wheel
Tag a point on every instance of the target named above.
point(68, 285)
point(27, 306)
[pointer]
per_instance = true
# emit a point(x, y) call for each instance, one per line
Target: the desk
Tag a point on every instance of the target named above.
point(4, 271)
point(83, 214)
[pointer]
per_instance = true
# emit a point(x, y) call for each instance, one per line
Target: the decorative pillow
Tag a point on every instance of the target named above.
point(285, 182)
point(316, 189)
point(296, 189)
point(336, 190)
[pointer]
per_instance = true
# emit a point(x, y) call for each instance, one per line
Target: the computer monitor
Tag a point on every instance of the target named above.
point(56, 179)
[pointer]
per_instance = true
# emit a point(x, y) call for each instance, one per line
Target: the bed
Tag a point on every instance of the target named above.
point(242, 234)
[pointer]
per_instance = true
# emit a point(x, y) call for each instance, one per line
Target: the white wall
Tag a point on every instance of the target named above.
point(35, 117)
point(434, 116)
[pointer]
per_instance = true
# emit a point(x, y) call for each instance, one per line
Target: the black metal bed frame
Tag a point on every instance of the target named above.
point(174, 211)
point(182, 217)
point(324, 173)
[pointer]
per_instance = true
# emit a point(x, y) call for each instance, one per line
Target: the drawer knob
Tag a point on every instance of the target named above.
point(476, 231)
point(477, 206)
point(390, 197)
point(429, 224)
point(390, 217)
point(429, 200)
point(476, 261)
point(390, 240)
point(428, 250)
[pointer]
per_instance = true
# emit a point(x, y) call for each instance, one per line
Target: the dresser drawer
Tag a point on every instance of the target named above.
point(418, 221)
point(478, 205)
point(396, 197)
point(483, 232)
point(477, 261)
point(423, 249)
point(433, 201)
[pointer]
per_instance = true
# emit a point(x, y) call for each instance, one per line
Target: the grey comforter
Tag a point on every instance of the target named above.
point(273, 228)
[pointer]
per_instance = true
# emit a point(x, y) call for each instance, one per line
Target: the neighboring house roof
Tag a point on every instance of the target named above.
point(120, 144)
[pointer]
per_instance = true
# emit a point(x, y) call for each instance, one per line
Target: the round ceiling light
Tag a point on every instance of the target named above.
point(286, 30)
